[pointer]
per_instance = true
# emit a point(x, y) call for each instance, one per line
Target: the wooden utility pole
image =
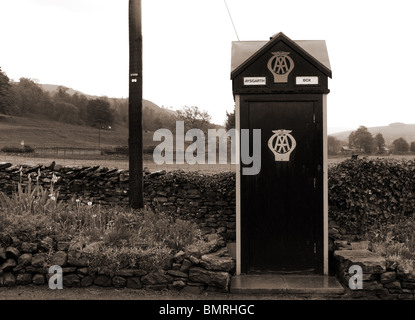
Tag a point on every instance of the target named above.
point(135, 106)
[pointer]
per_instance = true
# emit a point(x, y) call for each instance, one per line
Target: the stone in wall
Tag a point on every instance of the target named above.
point(119, 282)
point(8, 265)
point(24, 260)
point(29, 247)
point(39, 260)
point(157, 277)
point(102, 281)
point(9, 279)
point(134, 283)
point(3, 255)
point(218, 261)
point(217, 279)
point(71, 280)
point(369, 261)
point(60, 258)
point(12, 252)
point(38, 279)
point(76, 258)
point(24, 278)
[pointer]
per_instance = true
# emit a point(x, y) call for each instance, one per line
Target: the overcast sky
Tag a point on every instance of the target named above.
point(83, 44)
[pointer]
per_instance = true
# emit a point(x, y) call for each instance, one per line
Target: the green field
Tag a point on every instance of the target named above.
point(39, 133)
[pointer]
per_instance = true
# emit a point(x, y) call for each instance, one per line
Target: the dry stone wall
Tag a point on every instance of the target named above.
point(24, 263)
point(381, 280)
point(209, 200)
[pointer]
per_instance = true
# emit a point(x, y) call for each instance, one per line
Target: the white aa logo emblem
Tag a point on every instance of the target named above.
point(282, 143)
point(280, 66)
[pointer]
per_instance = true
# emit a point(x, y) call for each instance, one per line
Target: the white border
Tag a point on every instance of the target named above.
point(325, 191)
point(238, 186)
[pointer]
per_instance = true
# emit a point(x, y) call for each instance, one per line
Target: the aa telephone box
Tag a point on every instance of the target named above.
point(280, 88)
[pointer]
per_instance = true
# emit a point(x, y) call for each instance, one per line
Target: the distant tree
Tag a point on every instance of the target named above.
point(62, 95)
point(412, 147)
point(81, 102)
point(379, 141)
point(230, 120)
point(361, 139)
point(333, 145)
point(400, 145)
point(45, 104)
point(149, 119)
point(66, 112)
point(6, 95)
point(158, 124)
point(99, 113)
point(352, 140)
point(122, 110)
point(31, 96)
point(193, 117)
point(120, 107)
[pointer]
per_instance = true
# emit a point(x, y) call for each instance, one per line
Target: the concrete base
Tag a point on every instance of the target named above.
point(285, 283)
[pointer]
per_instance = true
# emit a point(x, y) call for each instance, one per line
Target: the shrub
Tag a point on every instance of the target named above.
point(26, 227)
point(365, 194)
point(122, 149)
point(25, 149)
point(396, 242)
point(159, 228)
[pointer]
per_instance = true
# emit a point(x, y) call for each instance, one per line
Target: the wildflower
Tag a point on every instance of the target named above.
point(50, 195)
point(89, 203)
point(77, 200)
point(94, 216)
point(53, 198)
point(54, 178)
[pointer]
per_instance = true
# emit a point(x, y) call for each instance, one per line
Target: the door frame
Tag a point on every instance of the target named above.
point(321, 261)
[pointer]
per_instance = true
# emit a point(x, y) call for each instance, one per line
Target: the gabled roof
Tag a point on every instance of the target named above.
point(244, 53)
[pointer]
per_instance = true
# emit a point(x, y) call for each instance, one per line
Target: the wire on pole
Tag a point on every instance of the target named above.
point(230, 16)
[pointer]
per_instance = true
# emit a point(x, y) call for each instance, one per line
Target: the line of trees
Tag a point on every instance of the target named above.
point(363, 141)
point(27, 98)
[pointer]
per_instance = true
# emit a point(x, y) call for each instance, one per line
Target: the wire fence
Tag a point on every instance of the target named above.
point(62, 151)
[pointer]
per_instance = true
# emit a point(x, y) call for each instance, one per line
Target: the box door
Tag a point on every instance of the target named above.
point(281, 209)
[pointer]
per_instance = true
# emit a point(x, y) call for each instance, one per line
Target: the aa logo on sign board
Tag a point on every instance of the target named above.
point(280, 66)
point(282, 143)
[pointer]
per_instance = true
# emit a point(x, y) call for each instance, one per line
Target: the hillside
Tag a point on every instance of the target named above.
point(52, 88)
point(37, 132)
point(390, 132)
